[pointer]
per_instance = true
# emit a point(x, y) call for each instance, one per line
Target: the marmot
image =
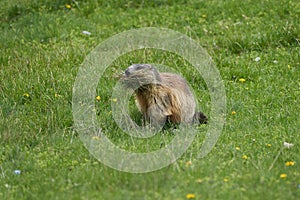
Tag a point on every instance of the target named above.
point(162, 97)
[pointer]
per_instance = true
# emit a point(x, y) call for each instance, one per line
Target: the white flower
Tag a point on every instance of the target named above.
point(17, 171)
point(257, 59)
point(275, 61)
point(86, 33)
point(287, 145)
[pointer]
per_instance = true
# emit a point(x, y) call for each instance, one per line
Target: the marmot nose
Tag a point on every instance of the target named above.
point(127, 73)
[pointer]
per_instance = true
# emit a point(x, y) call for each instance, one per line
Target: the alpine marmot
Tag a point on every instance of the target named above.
point(162, 97)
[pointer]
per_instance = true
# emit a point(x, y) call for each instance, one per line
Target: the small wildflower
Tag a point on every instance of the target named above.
point(188, 163)
point(233, 112)
point(110, 112)
point(225, 180)
point(199, 180)
point(245, 157)
point(287, 145)
point(257, 59)
point(283, 175)
point(190, 196)
point(275, 61)
point(17, 171)
point(253, 140)
point(247, 88)
point(26, 95)
point(114, 99)
point(86, 33)
point(289, 66)
point(56, 95)
point(269, 145)
point(237, 148)
point(98, 98)
point(242, 80)
point(203, 16)
point(96, 138)
point(289, 163)
point(68, 6)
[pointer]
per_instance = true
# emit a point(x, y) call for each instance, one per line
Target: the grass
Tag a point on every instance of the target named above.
point(42, 48)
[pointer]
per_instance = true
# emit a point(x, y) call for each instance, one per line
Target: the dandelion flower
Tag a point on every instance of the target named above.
point(287, 145)
point(188, 163)
point(203, 16)
point(233, 112)
point(190, 196)
point(283, 175)
point(237, 148)
point(242, 80)
point(225, 180)
point(289, 66)
point(199, 180)
point(98, 98)
point(96, 138)
point(26, 95)
point(245, 157)
point(269, 145)
point(114, 99)
point(68, 6)
point(289, 163)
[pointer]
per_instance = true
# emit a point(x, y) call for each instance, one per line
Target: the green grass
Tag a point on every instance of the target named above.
point(42, 48)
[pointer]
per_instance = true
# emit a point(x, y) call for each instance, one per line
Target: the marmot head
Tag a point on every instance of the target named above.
point(140, 75)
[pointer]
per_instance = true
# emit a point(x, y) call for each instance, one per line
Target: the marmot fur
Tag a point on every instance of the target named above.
point(162, 97)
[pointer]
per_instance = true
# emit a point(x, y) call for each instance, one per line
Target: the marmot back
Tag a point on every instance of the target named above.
point(162, 96)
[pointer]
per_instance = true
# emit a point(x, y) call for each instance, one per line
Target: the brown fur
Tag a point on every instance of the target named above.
point(162, 96)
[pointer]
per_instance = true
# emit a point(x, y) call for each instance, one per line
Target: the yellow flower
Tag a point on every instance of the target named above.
point(199, 180)
point(26, 95)
point(225, 180)
point(237, 148)
point(242, 80)
point(188, 163)
point(98, 98)
point(203, 16)
point(96, 138)
point(68, 6)
point(245, 157)
point(289, 163)
point(233, 113)
point(190, 196)
point(289, 66)
point(114, 99)
point(269, 145)
point(283, 175)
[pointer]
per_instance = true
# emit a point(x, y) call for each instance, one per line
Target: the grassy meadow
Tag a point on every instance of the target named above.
point(254, 44)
